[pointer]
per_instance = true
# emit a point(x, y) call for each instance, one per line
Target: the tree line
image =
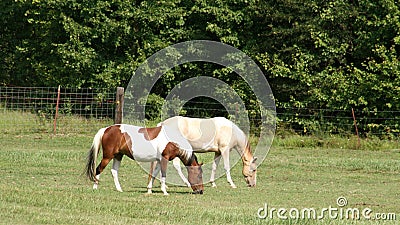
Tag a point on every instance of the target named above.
point(338, 54)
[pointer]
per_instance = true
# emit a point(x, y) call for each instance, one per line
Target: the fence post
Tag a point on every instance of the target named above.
point(355, 125)
point(119, 101)
point(56, 115)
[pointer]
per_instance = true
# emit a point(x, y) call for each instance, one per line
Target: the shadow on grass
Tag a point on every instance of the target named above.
point(157, 190)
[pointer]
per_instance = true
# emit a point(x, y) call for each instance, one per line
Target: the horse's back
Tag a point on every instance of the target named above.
point(184, 123)
point(143, 150)
point(207, 133)
point(173, 135)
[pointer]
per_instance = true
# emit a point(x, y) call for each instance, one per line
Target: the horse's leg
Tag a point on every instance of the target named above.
point(114, 171)
point(164, 165)
point(177, 165)
point(151, 170)
point(104, 162)
point(225, 156)
point(153, 176)
point(96, 183)
point(215, 163)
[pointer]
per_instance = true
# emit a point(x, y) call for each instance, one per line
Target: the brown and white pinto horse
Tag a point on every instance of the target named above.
point(218, 135)
point(143, 145)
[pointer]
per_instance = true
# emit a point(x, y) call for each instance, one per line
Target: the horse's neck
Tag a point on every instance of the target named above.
point(247, 156)
point(243, 145)
point(185, 156)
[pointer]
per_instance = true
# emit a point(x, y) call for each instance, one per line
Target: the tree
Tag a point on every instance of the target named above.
point(315, 54)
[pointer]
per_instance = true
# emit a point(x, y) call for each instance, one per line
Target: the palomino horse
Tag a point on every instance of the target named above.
point(218, 135)
point(143, 145)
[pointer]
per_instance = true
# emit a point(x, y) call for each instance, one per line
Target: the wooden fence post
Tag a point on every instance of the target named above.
point(119, 101)
point(355, 125)
point(56, 115)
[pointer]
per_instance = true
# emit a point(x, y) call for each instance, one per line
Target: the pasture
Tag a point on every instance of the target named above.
point(42, 182)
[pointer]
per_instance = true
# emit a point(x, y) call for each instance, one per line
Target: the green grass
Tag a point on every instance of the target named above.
point(43, 183)
point(42, 180)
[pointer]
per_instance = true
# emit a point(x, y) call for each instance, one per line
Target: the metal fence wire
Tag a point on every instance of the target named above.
point(33, 109)
point(85, 110)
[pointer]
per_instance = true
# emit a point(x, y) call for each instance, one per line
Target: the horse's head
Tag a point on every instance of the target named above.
point(195, 175)
point(250, 172)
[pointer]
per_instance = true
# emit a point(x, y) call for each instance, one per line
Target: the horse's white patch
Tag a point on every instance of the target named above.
point(149, 151)
point(199, 132)
point(173, 135)
point(142, 149)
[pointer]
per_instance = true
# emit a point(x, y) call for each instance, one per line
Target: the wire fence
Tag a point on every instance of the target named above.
point(26, 110)
point(304, 121)
point(33, 109)
point(384, 124)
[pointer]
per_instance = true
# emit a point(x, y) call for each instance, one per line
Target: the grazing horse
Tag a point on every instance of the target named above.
point(143, 145)
point(218, 135)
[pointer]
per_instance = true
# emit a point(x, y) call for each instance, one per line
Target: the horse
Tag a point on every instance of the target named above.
point(218, 135)
point(143, 145)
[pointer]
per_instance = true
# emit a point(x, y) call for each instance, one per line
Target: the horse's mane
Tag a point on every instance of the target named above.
point(185, 154)
point(192, 158)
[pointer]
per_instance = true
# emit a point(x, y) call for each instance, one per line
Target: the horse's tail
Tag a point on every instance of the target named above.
point(92, 155)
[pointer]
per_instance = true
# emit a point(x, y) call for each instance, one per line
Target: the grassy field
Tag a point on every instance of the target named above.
point(42, 182)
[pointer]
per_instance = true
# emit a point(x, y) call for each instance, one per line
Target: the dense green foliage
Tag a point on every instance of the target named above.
point(315, 54)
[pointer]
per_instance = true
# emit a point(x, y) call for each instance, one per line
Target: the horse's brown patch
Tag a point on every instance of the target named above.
point(126, 143)
point(119, 143)
point(150, 133)
point(170, 151)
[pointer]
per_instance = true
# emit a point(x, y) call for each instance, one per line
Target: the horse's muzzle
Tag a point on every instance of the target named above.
point(197, 192)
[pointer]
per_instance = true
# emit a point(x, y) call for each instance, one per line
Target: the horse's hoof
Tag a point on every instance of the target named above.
point(233, 186)
point(166, 194)
point(197, 192)
point(213, 185)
